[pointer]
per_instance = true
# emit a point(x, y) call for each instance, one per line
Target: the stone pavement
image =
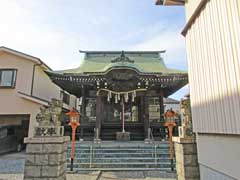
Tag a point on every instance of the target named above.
point(12, 166)
point(12, 163)
point(97, 175)
point(137, 175)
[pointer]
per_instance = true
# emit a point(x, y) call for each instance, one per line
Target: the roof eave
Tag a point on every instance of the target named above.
point(26, 56)
point(170, 2)
point(33, 99)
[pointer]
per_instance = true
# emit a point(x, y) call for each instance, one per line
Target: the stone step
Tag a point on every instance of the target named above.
point(163, 170)
point(119, 147)
point(143, 154)
point(119, 155)
point(120, 144)
point(121, 165)
point(124, 158)
point(123, 153)
point(120, 160)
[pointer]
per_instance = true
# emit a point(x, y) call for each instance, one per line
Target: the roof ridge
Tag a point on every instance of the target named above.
point(119, 52)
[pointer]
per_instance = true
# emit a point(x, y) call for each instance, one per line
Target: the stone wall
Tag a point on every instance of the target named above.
point(186, 159)
point(46, 158)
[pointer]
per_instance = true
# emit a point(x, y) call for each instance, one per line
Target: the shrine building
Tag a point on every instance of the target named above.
point(120, 91)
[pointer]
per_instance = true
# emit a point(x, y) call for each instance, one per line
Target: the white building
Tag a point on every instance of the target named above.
point(212, 34)
point(24, 88)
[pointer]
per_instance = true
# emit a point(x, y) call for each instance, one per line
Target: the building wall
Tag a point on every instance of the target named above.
point(191, 6)
point(11, 101)
point(213, 48)
point(24, 72)
point(45, 88)
point(207, 173)
point(219, 156)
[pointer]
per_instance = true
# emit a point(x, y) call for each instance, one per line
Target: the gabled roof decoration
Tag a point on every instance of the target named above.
point(122, 58)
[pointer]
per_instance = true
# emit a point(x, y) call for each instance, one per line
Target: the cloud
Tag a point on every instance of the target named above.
point(165, 37)
point(55, 31)
point(172, 42)
point(20, 30)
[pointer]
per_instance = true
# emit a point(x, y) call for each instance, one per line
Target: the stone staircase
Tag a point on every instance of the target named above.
point(112, 155)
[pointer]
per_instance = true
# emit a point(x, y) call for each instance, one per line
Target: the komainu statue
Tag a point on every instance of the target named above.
point(49, 119)
point(186, 129)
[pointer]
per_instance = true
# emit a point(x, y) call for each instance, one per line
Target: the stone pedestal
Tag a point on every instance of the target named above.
point(46, 158)
point(123, 136)
point(186, 158)
point(97, 141)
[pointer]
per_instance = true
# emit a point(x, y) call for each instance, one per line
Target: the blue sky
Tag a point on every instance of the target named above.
point(55, 30)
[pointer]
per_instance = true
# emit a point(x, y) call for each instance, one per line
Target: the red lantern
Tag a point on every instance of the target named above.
point(170, 124)
point(74, 117)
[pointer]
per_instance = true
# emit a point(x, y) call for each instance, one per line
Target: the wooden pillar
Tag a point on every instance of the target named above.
point(141, 112)
point(99, 112)
point(161, 104)
point(81, 132)
point(146, 116)
point(83, 106)
point(162, 129)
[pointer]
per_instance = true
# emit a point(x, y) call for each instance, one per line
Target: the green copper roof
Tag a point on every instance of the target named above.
point(102, 61)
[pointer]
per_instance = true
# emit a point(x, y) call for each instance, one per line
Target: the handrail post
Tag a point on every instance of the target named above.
point(90, 154)
point(155, 153)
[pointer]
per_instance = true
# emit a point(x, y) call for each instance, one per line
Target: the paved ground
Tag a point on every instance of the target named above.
point(106, 176)
point(137, 175)
point(12, 168)
point(12, 163)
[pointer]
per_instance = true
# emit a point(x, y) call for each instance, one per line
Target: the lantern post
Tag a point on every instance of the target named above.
point(74, 123)
point(170, 124)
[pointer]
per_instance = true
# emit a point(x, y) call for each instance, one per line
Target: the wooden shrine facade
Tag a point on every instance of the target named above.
point(120, 93)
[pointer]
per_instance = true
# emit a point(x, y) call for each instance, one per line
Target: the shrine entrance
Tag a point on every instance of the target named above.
point(113, 112)
point(121, 113)
point(105, 79)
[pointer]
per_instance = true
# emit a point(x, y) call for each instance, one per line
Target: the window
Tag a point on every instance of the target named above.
point(8, 78)
point(65, 97)
point(11, 131)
